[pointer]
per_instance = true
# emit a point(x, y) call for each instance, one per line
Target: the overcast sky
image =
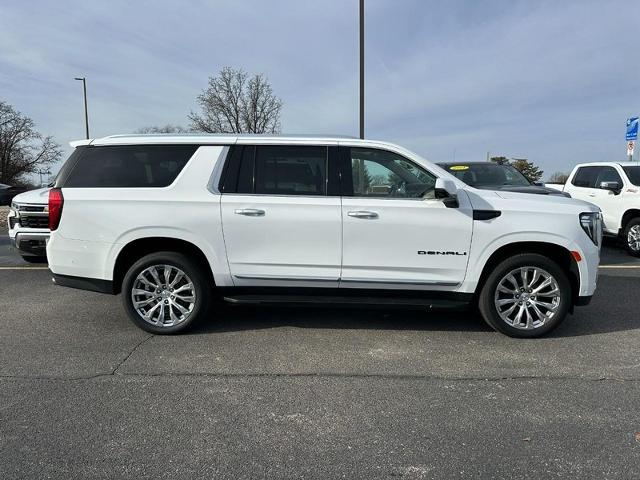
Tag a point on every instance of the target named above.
point(553, 81)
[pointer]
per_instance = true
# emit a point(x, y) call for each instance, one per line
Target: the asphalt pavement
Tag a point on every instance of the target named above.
point(314, 392)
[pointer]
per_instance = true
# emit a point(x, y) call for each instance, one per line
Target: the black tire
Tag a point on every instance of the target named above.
point(201, 286)
point(34, 259)
point(628, 244)
point(488, 308)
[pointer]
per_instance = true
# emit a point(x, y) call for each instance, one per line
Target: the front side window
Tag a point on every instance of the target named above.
point(383, 174)
point(290, 170)
point(608, 174)
point(127, 166)
point(586, 177)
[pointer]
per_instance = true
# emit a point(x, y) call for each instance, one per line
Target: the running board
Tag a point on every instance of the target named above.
point(251, 299)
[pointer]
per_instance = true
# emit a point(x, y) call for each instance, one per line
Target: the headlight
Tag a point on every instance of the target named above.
point(14, 205)
point(591, 223)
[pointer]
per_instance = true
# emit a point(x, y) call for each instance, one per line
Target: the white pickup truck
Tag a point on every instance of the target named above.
point(28, 223)
point(615, 188)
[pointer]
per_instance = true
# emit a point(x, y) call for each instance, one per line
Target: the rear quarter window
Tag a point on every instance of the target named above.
point(122, 166)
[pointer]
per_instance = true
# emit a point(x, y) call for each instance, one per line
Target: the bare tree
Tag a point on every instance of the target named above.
point(168, 128)
point(23, 150)
point(559, 177)
point(233, 102)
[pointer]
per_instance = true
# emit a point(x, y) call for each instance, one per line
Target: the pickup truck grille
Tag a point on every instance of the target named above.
point(31, 208)
point(34, 221)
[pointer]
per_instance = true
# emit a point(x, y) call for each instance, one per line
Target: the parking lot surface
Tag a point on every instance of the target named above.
point(314, 392)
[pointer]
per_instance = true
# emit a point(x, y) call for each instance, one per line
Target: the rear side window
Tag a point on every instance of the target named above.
point(291, 170)
point(634, 174)
point(130, 166)
point(608, 174)
point(586, 177)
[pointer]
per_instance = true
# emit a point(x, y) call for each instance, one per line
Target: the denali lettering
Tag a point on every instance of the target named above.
point(433, 252)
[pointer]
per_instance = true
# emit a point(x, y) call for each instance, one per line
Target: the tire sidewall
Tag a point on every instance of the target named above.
point(486, 300)
point(625, 236)
point(173, 259)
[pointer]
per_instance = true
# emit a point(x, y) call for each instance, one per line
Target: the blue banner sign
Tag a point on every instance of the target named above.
point(632, 128)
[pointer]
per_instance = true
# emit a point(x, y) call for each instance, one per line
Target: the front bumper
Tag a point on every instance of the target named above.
point(31, 244)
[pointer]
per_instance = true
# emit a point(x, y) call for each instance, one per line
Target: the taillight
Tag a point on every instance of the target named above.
point(56, 201)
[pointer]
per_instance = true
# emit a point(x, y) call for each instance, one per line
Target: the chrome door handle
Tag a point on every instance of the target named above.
point(250, 212)
point(362, 214)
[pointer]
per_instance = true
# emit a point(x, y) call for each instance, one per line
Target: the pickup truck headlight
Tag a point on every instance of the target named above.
point(591, 223)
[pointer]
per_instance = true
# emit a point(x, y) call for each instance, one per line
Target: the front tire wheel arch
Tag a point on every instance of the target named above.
point(487, 296)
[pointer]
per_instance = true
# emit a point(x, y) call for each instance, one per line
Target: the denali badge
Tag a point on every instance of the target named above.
point(436, 252)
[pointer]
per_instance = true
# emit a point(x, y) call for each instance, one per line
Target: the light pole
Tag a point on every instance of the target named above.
point(361, 68)
point(43, 172)
point(86, 114)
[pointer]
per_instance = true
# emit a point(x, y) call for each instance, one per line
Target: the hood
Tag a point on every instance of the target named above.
point(39, 196)
point(535, 189)
point(526, 202)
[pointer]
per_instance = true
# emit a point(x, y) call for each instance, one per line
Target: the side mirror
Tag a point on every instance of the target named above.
point(447, 191)
point(614, 187)
point(537, 184)
point(445, 188)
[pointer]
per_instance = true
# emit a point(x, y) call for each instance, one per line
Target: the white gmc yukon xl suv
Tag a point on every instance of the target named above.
point(174, 222)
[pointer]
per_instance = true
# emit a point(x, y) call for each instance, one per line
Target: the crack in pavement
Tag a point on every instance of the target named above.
point(320, 375)
point(144, 340)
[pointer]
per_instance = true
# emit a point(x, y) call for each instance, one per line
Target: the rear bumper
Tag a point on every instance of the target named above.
point(91, 284)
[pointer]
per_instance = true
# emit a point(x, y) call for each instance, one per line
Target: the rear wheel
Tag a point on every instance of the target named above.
point(631, 236)
point(526, 295)
point(165, 292)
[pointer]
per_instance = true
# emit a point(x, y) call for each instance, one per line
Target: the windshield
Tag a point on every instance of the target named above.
point(487, 174)
point(634, 174)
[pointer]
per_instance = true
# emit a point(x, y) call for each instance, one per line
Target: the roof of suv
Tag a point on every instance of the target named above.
point(216, 139)
point(597, 164)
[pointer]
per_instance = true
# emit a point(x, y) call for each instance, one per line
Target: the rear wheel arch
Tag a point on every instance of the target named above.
point(136, 249)
point(555, 252)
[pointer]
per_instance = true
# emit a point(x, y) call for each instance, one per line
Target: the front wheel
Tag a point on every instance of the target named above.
point(165, 292)
point(526, 295)
point(631, 237)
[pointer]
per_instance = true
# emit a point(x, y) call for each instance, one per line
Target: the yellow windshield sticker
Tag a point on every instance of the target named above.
point(459, 167)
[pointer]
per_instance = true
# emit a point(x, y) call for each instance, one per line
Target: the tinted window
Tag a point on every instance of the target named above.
point(290, 170)
point(608, 174)
point(67, 167)
point(129, 166)
point(633, 173)
point(586, 177)
point(237, 176)
point(379, 173)
point(487, 174)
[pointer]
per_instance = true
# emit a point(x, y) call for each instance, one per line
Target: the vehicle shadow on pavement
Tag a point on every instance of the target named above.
point(238, 318)
point(608, 312)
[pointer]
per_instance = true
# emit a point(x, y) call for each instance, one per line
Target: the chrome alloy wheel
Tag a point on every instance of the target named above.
point(633, 238)
point(527, 297)
point(163, 295)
